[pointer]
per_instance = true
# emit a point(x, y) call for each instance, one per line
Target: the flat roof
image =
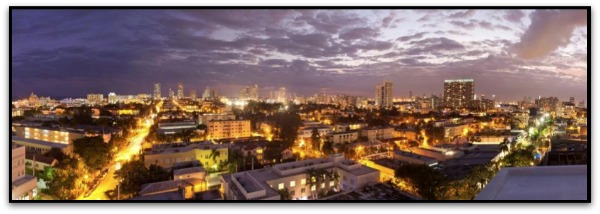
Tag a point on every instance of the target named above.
point(148, 189)
point(188, 170)
point(538, 183)
point(413, 155)
point(39, 142)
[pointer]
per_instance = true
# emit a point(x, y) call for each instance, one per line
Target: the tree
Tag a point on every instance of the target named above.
point(519, 158)
point(285, 194)
point(286, 125)
point(427, 182)
point(134, 173)
point(94, 152)
point(315, 139)
point(328, 147)
point(67, 182)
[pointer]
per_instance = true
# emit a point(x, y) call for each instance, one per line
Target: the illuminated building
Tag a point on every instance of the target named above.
point(203, 119)
point(343, 137)
point(459, 93)
point(48, 134)
point(180, 90)
point(264, 184)
point(95, 99)
point(193, 94)
point(384, 95)
point(157, 95)
point(282, 95)
point(377, 133)
point(167, 155)
point(548, 104)
point(249, 93)
point(171, 94)
point(209, 94)
point(224, 129)
point(33, 99)
point(112, 98)
point(23, 186)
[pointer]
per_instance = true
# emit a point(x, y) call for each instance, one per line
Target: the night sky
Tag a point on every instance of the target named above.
point(511, 54)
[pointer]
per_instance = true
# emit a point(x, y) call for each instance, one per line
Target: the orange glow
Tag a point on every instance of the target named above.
point(425, 138)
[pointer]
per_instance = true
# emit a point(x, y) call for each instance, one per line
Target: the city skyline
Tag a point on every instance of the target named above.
point(347, 52)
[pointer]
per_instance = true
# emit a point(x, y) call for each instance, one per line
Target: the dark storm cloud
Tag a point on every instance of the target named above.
point(543, 36)
point(70, 53)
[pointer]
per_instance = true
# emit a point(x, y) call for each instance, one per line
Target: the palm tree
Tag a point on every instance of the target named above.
point(214, 153)
point(285, 194)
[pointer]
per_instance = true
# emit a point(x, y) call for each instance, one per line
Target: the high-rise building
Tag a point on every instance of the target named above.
point(282, 95)
point(254, 92)
point(209, 93)
point(180, 90)
point(171, 94)
point(548, 104)
point(112, 98)
point(572, 100)
point(383, 95)
point(157, 95)
point(193, 94)
point(459, 93)
point(95, 99)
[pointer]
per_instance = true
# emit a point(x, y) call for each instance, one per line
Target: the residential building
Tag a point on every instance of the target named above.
point(40, 146)
point(55, 135)
point(377, 133)
point(95, 99)
point(180, 90)
point(205, 118)
point(209, 94)
point(414, 158)
point(384, 95)
point(23, 186)
point(343, 137)
point(157, 95)
point(112, 98)
point(224, 129)
point(39, 162)
point(264, 184)
point(459, 93)
point(166, 155)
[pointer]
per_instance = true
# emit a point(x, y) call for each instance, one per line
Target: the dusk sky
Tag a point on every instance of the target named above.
point(509, 53)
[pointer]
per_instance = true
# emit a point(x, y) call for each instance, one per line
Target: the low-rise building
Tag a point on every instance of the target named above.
point(455, 130)
point(39, 162)
point(438, 153)
point(23, 186)
point(414, 158)
point(306, 132)
point(166, 155)
point(205, 118)
point(409, 134)
point(175, 127)
point(343, 137)
point(377, 133)
point(55, 135)
point(40, 146)
point(264, 184)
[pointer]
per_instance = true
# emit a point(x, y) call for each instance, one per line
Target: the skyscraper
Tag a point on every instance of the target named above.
point(157, 95)
point(459, 93)
point(180, 90)
point(254, 92)
point(112, 98)
point(383, 95)
point(95, 99)
point(282, 95)
point(209, 93)
point(171, 94)
point(193, 94)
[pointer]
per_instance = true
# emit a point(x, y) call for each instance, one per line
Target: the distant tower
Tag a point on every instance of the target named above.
point(410, 95)
point(281, 95)
point(180, 90)
point(459, 93)
point(157, 95)
point(171, 94)
point(112, 98)
point(193, 94)
point(383, 95)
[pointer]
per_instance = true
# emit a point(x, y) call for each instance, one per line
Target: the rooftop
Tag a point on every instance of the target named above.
point(39, 142)
point(172, 195)
point(413, 155)
point(149, 189)
point(538, 183)
point(181, 147)
point(189, 170)
point(378, 191)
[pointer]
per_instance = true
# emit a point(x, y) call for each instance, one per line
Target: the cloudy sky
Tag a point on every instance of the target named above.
point(509, 53)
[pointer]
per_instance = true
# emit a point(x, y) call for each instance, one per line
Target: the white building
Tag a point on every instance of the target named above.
point(264, 184)
point(23, 186)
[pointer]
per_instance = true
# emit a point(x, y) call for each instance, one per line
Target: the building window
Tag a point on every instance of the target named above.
point(322, 185)
point(331, 183)
point(292, 183)
point(281, 186)
point(302, 190)
point(313, 188)
point(303, 181)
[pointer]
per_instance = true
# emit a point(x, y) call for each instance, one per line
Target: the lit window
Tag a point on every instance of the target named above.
point(331, 183)
point(292, 183)
point(303, 181)
point(281, 186)
point(313, 188)
point(322, 185)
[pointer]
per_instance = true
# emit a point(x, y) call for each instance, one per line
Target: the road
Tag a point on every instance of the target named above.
point(133, 148)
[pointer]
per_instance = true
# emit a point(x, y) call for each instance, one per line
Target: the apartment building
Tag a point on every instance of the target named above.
point(166, 155)
point(225, 129)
